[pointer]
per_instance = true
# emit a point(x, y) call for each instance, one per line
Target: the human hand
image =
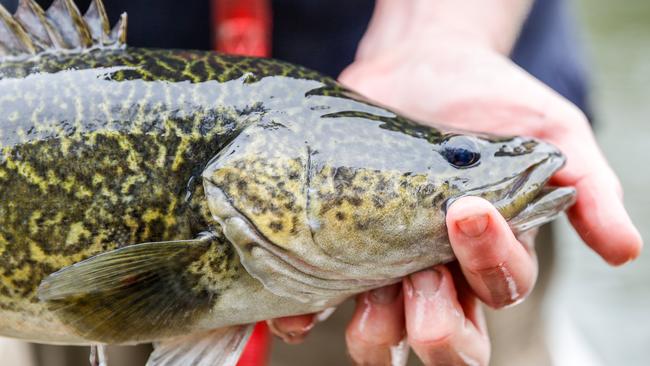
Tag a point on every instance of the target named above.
point(466, 84)
point(451, 76)
point(439, 312)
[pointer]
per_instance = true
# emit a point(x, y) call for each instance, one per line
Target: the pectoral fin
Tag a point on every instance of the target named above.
point(220, 347)
point(133, 294)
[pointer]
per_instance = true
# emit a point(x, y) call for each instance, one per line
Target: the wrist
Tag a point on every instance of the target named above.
point(494, 24)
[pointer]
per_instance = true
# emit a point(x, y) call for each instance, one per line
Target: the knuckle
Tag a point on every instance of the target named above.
point(564, 121)
point(424, 342)
point(356, 337)
point(504, 288)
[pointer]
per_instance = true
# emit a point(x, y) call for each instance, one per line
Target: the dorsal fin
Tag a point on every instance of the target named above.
point(65, 15)
point(32, 30)
point(13, 38)
point(118, 34)
point(97, 21)
point(32, 17)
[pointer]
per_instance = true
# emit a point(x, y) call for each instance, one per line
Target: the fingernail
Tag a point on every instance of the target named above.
point(473, 226)
point(384, 295)
point(426, 283)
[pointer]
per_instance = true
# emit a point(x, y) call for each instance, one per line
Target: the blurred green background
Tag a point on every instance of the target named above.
point(610, 307)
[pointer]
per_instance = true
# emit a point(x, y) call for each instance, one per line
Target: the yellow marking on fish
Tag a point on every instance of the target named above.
point(37, 254)
point(148, 217)
point(52, 178)
point(151, 215)
point(29, 173)
point(132, 158)
point(69, 183)
point(130, 181)
point(110, 194)
point(22, 274)
point(132, 224)
point(178, 158)
point(65, 146)
point(170, 216)
point(162, 155)
point(76, 231)
point(98, 179)
point(196, 134)
point(3, 244)
point(83, 191)
point(55, 221)
point(33, 225)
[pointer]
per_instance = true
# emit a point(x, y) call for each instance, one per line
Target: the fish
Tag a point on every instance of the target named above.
point(178, 196)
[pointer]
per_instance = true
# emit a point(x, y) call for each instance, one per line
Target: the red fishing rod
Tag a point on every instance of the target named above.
point(243, 27)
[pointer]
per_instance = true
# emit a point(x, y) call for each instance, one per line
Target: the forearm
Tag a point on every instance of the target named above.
point(495, 23)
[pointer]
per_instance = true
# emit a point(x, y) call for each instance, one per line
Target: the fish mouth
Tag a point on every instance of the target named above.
point(529, 202)
point(525, 200)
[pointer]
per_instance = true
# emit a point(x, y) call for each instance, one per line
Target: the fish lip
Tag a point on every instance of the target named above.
point(527, 189)
point(546, 206)
point(537, 175)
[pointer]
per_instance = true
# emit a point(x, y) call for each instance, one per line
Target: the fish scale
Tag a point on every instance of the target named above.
point(177, 196)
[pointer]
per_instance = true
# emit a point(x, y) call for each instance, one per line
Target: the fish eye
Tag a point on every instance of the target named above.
point(461, 152)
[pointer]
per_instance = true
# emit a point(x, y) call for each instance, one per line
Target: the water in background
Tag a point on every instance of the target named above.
point(610, 307)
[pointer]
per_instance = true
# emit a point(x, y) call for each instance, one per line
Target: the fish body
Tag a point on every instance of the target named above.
point(107, 148)
point(152, 195)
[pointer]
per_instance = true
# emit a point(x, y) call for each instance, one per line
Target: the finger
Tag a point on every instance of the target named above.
point(292, 329)
point(598, 216)
point(440, 330)
point(500, 270)
point(602, 222)
point(377, 326)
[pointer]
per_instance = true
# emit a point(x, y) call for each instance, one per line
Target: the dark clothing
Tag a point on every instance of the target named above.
point(548, 48)
point(323, 35)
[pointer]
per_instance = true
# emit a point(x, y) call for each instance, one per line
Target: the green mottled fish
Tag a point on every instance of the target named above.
point(177, 196)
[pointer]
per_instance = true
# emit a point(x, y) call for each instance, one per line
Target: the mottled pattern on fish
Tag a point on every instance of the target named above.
point(91, 162)
point(106, 148)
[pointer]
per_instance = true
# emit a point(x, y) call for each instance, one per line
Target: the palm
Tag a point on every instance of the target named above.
point(475, 88)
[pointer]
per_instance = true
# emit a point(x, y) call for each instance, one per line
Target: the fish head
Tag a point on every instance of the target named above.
point(510, 172)
point(352, 202)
